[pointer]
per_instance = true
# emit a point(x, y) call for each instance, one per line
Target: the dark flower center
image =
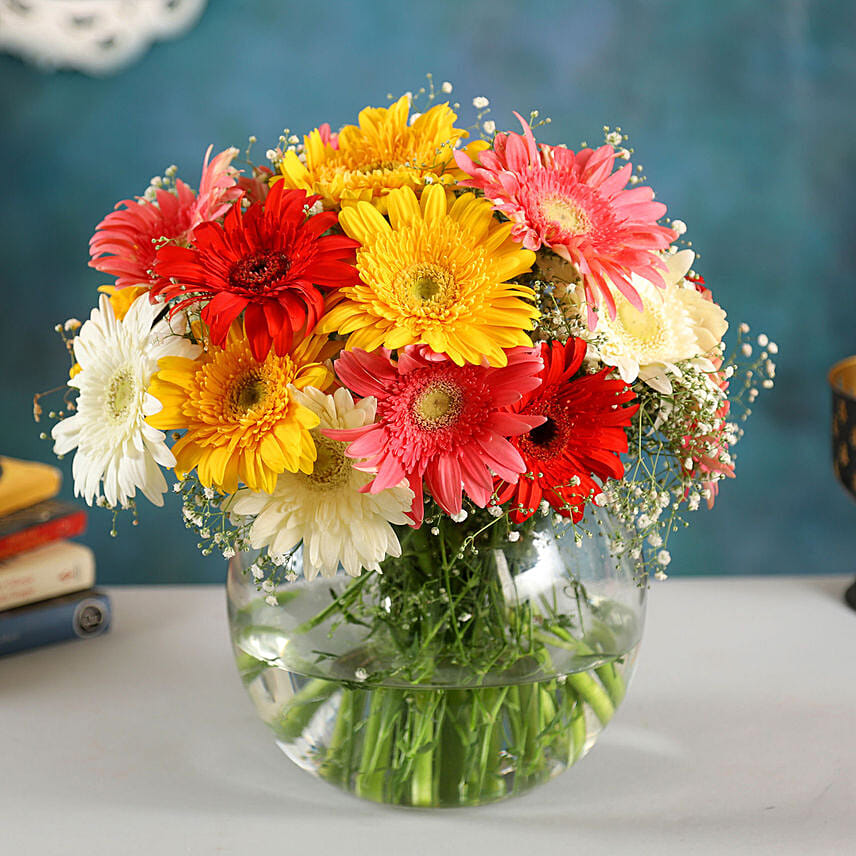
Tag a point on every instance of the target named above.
point(550, 438)
point(259, 272)
point(543, 435)
point(247, 393)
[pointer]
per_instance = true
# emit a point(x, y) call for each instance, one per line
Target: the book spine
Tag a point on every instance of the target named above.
point(44, 573)
point(79, 616)
point(43, 533)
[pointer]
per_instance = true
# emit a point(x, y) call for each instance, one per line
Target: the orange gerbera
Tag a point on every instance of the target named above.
point(241, 421)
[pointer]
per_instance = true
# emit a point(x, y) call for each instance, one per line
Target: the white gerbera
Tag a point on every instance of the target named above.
point(325, 509)
point(114, 442)
point(676, 324)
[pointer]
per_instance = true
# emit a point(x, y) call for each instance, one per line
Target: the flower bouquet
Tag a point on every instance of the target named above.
point(442, 396)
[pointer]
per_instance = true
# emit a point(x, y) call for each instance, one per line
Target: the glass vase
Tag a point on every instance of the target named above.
point(479, 664)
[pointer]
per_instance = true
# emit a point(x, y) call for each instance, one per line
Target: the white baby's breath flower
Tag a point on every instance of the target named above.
point(325, 508)
point(115, 445)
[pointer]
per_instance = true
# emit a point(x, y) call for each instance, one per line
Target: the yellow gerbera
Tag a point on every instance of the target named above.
point(381, 153)
point(122, 298)
point(241, 421)
point(435, 275)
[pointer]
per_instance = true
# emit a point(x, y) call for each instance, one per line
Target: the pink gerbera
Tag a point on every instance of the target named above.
point(123, 243)
point(439, 421)
point(577, 206)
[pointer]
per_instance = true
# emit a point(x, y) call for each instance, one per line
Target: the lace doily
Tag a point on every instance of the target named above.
point(93, 36)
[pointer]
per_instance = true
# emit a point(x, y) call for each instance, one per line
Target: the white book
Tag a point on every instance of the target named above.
point(59, 568)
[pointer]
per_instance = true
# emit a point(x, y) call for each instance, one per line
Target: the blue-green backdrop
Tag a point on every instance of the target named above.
point(741, 113)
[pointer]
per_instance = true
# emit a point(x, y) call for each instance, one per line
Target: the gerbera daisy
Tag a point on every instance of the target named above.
point(439, 421)
point(577, 206)
point(434, 274)
point(123, 243)
point(580, 436)
point(121, 299)
point(115, 445)
point(241, 420)
point(383, 152)
point(326, 509)
point(268, 262)
point(677, 324)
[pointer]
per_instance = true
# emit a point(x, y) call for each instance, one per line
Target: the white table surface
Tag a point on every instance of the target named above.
point(738, 736)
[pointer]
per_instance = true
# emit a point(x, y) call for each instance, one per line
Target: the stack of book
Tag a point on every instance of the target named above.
point(46, 580)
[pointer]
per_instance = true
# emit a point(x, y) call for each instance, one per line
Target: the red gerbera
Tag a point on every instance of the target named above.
point(581, 437)
point(268, 263)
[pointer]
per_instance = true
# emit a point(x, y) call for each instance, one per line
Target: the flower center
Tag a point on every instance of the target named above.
point(543, 435)
point(437, 406)
point(121, 392)
point(548, 439)
point(563, 213)
point(644, 326)
point(248, 393)
point(332, 467)
point(425, 286)
point(259, 271)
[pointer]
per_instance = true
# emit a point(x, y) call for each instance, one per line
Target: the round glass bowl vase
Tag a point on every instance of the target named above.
point(459, 674)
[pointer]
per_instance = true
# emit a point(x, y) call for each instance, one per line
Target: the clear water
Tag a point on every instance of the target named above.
point(433, 746)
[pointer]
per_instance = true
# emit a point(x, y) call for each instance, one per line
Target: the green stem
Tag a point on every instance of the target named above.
point(368, 784)
point(593, 693)
point(337, 758)
point(608, 674)
point(338, 605)
point(422, 779)
point(578, 731)
point(302, 707)
point(488, 751)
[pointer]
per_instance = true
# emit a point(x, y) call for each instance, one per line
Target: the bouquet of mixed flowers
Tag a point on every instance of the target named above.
point(395, 350)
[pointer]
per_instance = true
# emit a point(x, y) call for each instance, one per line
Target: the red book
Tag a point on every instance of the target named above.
point(38, 525)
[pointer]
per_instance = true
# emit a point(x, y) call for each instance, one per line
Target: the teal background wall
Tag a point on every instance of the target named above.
point(741, 113)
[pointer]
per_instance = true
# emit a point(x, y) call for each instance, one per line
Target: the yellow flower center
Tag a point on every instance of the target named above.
point(565, 214)
point(425, 287)
point(121, 391)
point(437, 405)
point(332, 467)
point(645, 327)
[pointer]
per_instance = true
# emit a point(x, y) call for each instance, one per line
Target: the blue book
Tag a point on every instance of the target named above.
point(81, 615)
